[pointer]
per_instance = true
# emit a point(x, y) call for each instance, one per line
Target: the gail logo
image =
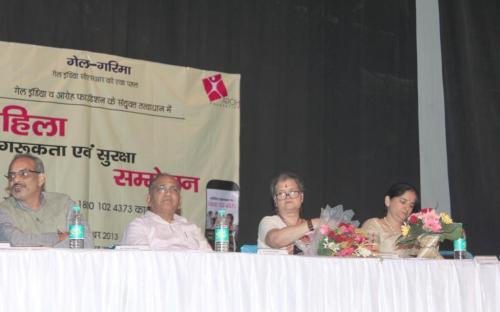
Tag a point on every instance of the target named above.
point(214, 87)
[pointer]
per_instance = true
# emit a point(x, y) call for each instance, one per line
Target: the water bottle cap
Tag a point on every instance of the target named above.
point(76, 208)
point(221, 212)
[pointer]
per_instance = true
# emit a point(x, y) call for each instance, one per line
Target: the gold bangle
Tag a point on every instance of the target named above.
point(310, 225)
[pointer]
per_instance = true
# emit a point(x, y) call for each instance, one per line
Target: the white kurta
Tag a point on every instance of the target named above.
point(155, 232)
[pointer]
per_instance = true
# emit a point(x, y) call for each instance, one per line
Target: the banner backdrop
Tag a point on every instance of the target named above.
point(104, 125)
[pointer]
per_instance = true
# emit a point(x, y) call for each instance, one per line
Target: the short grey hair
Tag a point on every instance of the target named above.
point(39, 167)
point(285, 176)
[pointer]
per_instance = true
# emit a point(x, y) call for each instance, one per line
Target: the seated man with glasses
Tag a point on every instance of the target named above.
point(30, 216)
point(286, 230)
point(161, 227)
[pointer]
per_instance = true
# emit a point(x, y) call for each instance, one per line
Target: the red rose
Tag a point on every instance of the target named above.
point(413, 219)
point(339, 238)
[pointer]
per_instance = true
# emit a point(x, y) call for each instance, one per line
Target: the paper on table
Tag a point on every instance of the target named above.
point(486, 259)
point(132, 247)
point(270, 251)
point(388, 255)
point(4, 245)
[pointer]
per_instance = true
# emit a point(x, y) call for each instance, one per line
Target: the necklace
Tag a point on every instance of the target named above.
point(397, 231)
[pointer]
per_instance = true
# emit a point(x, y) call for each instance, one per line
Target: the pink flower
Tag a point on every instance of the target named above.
point(346, 228)
point(431, 221)
point(432, 225)
point(347, 251)
point(324, 229)
point(359, 239)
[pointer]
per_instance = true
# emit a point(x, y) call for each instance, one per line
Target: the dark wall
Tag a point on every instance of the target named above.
point(328, 88)
point(470, 35)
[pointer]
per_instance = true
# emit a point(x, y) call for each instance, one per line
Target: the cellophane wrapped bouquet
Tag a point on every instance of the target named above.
point(428, 222)
point(338, 235)
point(425, 229)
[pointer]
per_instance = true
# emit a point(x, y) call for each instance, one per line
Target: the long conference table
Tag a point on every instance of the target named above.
point(134, 280)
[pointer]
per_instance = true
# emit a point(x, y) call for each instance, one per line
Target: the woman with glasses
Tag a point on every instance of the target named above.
point(286, 230)
point(400, 200)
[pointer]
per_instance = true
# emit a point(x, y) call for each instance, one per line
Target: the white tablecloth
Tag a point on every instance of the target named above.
point(126, 280)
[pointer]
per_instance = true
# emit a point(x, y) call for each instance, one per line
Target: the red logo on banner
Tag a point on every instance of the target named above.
point(214, 87)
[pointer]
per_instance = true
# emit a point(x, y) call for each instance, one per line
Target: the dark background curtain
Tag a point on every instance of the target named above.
point(328, 88)
point(470, 36)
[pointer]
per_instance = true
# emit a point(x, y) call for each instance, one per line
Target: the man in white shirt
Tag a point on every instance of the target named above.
point(161, 227)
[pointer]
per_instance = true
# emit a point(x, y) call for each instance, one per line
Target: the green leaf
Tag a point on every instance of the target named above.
point(415, 231)
point(451, 231)
point(324, 252)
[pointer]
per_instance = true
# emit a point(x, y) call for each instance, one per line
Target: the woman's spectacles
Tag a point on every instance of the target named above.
point(290, 194)
point(23, 174)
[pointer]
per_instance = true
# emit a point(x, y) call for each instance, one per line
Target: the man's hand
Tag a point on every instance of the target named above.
point(62, 235)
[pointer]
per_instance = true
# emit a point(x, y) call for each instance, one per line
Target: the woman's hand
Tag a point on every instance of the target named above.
point(315, 223)
point(279, 238)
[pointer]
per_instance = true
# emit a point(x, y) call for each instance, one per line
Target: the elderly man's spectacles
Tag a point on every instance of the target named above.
point(23, 174)
point(166, 188)
point(290, 194)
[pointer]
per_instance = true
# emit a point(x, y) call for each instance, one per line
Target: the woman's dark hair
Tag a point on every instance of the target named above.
point(398, 189)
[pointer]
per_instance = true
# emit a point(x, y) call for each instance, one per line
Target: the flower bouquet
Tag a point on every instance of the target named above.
point(344, 240)
point(339, 236)
point(426, 229)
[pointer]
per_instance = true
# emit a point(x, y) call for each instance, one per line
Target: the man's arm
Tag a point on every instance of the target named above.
point(89, 237)
point(202, 240)
point(10, 233)
point(136, 234)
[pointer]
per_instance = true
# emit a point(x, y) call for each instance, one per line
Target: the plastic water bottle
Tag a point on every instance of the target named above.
point(221, 232)
point(76, 228)
point(460, 247)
